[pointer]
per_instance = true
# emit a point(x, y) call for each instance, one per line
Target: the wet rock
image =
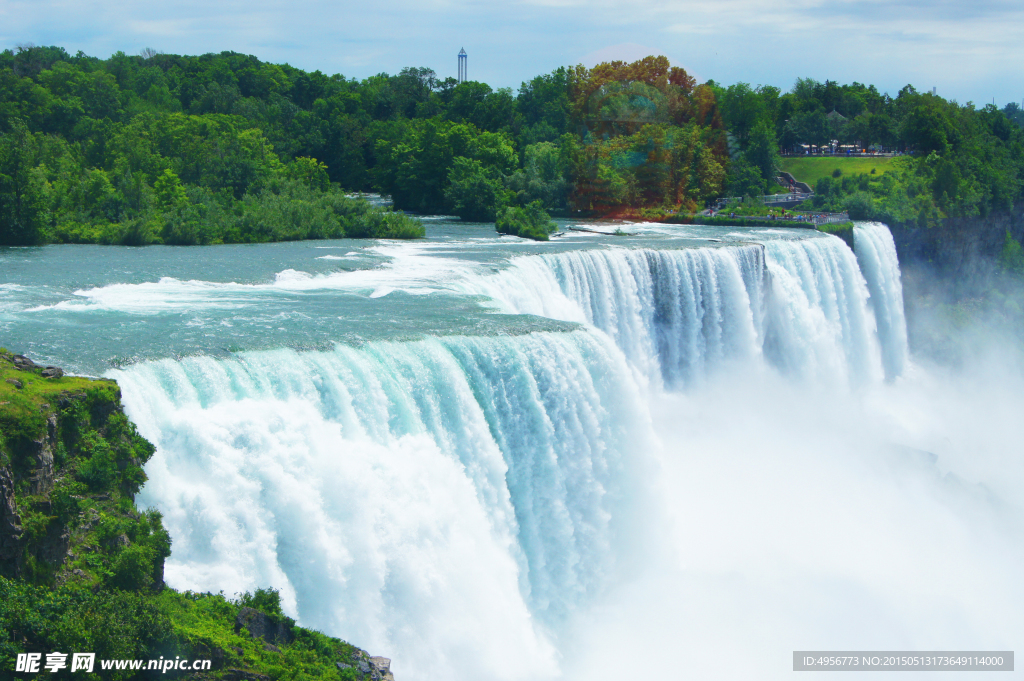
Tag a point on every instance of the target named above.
point(24, 363)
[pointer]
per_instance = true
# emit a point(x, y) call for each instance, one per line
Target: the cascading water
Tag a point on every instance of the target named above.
point(678, 314)
point(446, 499)
point(674, 313)
point(876, 254)
point(504, 497)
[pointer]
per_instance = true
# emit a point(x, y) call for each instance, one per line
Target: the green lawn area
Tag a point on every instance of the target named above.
point(810, 169)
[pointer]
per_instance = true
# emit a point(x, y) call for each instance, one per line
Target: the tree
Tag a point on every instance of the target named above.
point(763, 151)
point(743, 109)
point(170, 195)
point(24, 200)
point(475, 192)
point(310, 172)
point(745, 179)
point(545, 176)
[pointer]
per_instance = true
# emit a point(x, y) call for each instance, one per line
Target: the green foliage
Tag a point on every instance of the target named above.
point(546, 175)
point(119, 151)
point(170, 194)
point(745, 179)
point(530, 222)
point(763, 151)
point(113, 624)
point(310, 172)
point(1011, 258)
point(475, 192)
point(416, 169)
point(267, 600)
point(224, 148)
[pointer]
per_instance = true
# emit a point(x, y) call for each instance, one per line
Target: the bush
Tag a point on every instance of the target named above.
point(530, 222)
point(265, 600)
point(386, 224)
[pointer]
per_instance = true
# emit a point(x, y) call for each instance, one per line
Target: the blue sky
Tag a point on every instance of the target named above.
point(970, 51)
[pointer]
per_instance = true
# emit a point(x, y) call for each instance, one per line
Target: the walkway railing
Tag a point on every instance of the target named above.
point(795, 218)
point(771, 198)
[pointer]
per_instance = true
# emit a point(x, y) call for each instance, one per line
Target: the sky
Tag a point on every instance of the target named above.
point(968, 51)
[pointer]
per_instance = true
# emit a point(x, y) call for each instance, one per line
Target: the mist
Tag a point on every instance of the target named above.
point(798, 517)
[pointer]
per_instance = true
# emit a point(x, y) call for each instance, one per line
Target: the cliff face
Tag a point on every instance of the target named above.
point(81, 568)
point(70, 466)
point(960, 250)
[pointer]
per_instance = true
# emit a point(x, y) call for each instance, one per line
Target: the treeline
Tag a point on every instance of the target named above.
point(178, 149)
point(133, 150)
point(959, 160)
point(136, 149)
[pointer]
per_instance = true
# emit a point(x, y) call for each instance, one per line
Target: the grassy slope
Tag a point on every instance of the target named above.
point(102, 591)
point(810, 170)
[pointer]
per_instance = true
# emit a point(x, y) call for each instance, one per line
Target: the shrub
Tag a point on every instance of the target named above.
point(530, 222)
point(265, 600)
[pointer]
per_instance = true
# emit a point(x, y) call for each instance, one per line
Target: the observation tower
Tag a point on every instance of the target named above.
point(463, 60)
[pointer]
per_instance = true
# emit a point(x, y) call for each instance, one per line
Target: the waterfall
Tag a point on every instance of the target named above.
point(802, 305)
point(454, 501)
point(445, 500)
point(876, 254)
point(673, 313)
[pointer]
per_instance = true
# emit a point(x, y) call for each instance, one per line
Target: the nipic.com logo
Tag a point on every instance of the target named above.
point(29, 662)
point(33, 663)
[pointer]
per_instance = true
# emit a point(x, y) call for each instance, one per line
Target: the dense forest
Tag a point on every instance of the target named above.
point(160, 148)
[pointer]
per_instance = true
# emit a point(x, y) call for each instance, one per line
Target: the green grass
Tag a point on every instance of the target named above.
point(811, 169)
point(836, 227)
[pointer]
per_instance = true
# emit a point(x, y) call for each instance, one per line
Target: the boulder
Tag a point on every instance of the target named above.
point(380, 669)
point(53, 372)
point(24, 363)
point(16, 383)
